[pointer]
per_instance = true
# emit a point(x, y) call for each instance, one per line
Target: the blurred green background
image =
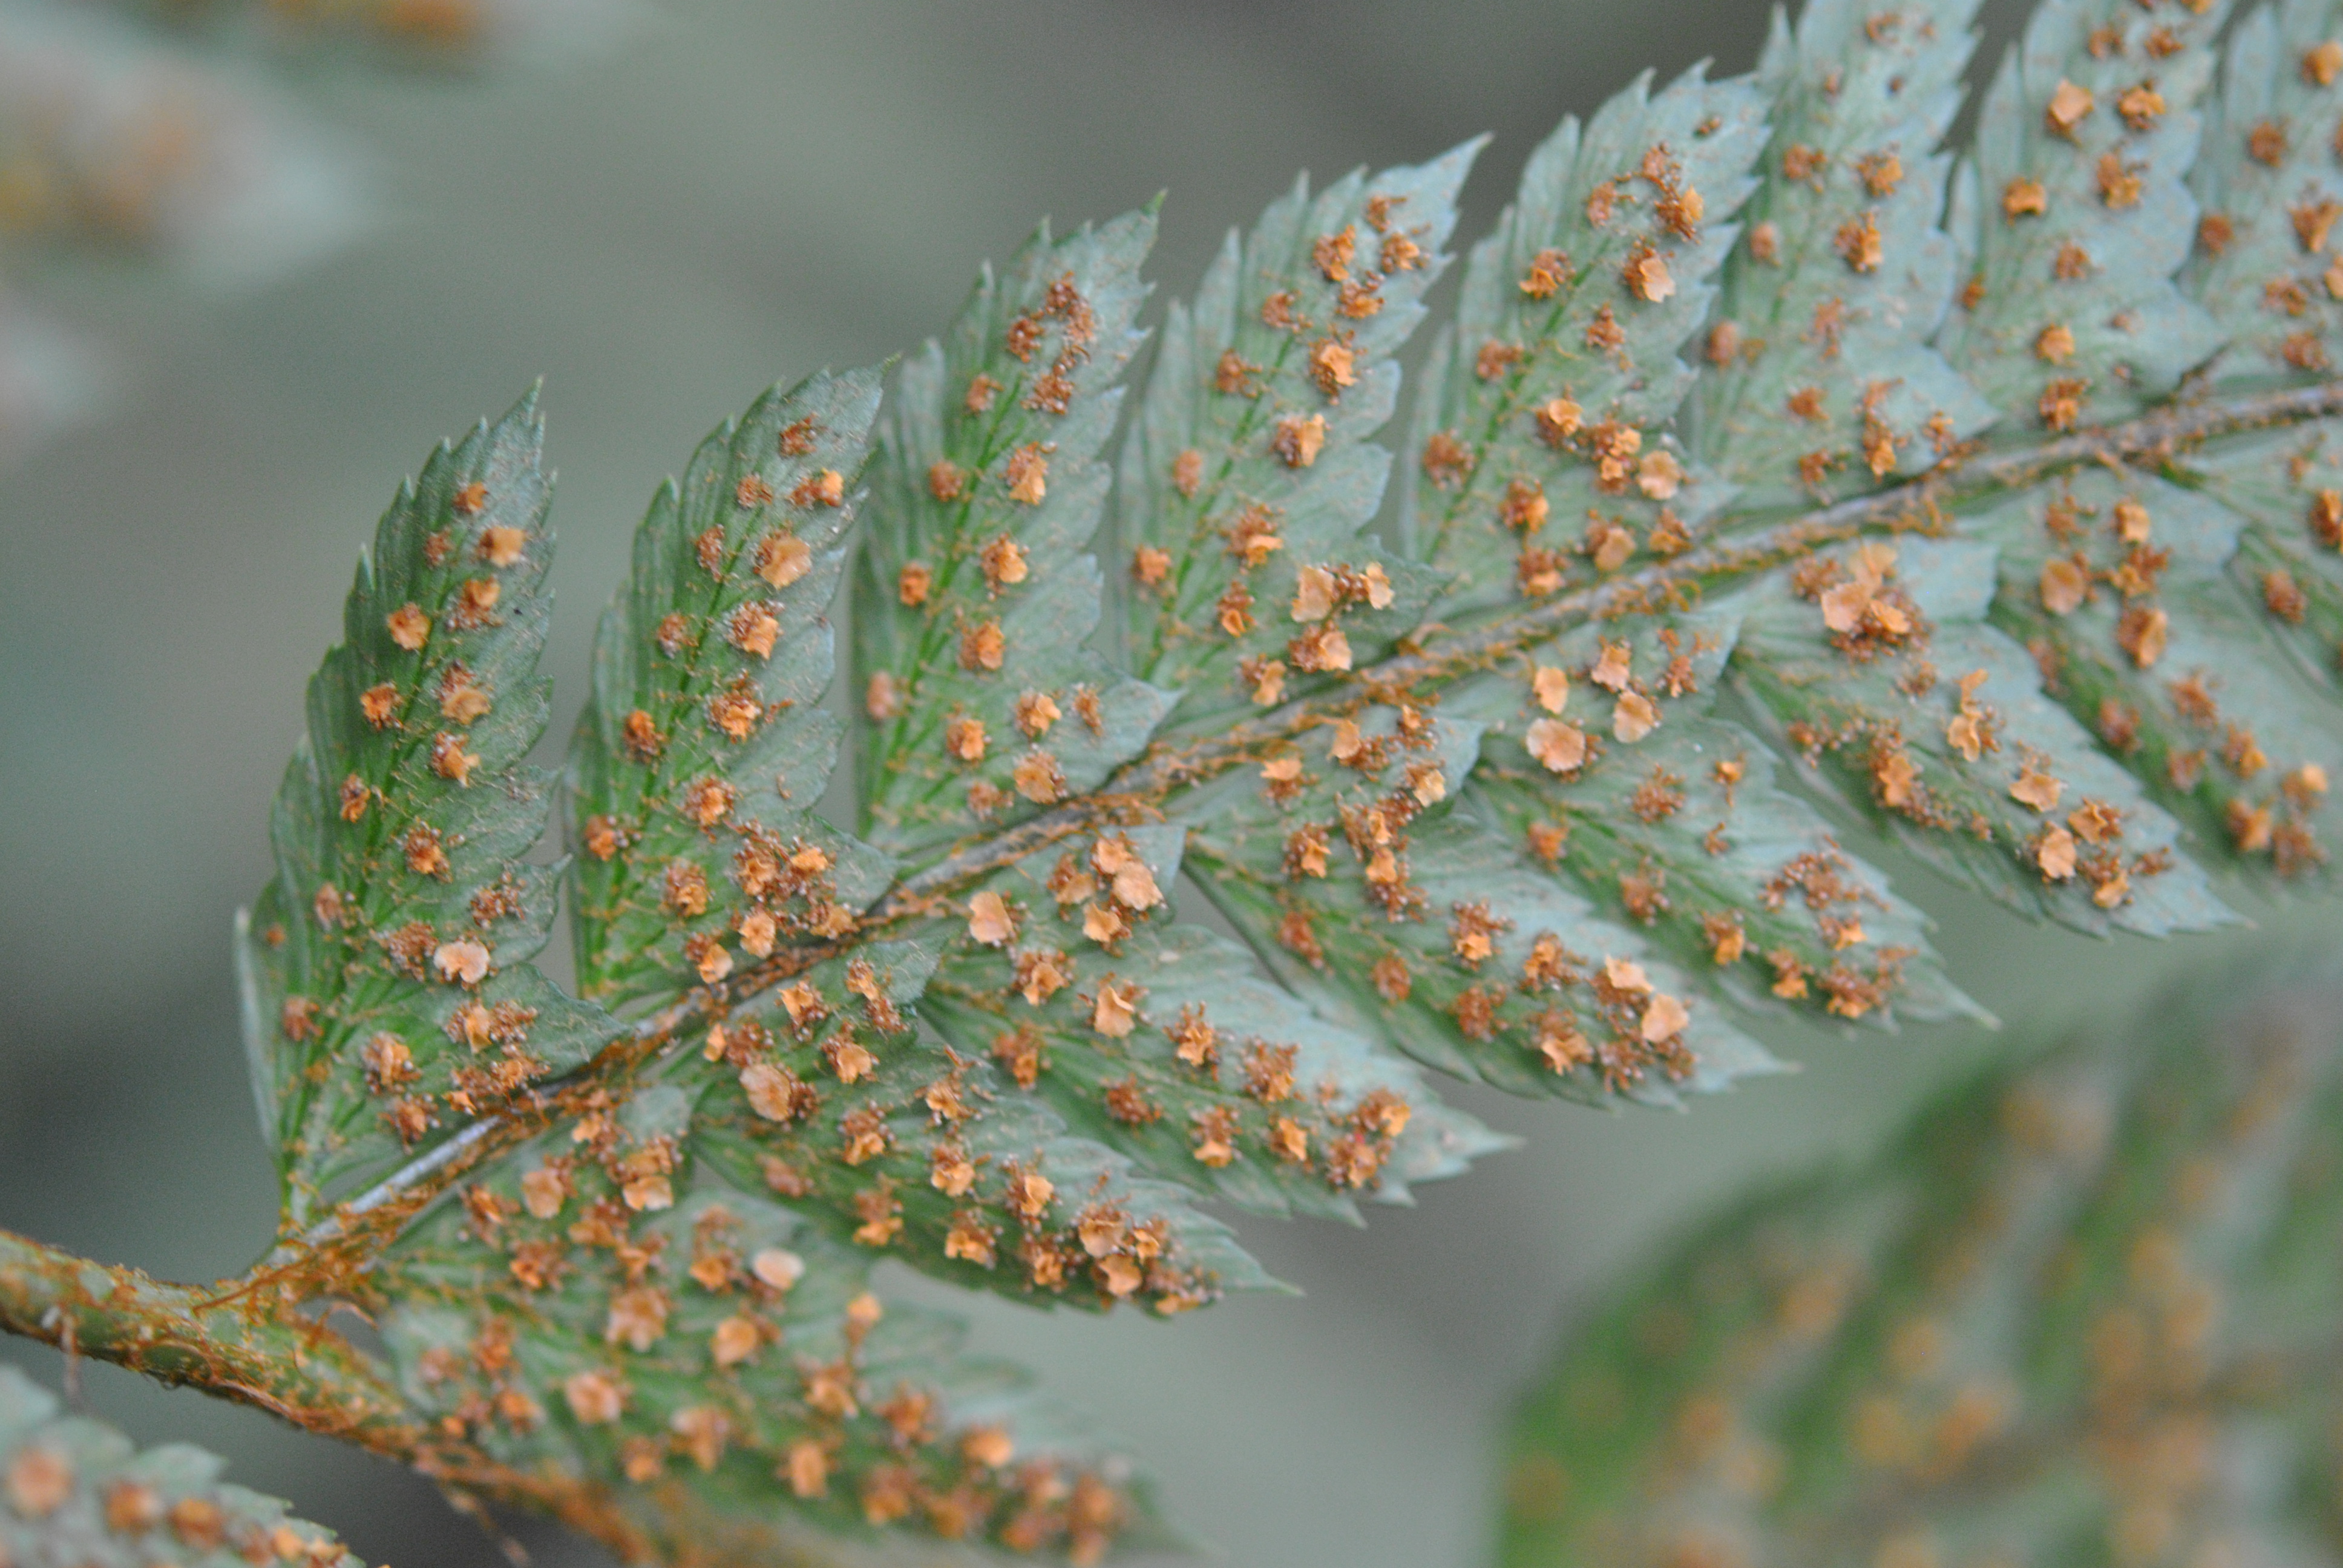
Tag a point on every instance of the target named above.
point(742, 191)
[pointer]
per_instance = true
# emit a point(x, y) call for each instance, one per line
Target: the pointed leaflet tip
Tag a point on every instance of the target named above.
point(705, 742)
point(1553, 404)
point(978, 703)
point(1250, 464)
point(391, 950)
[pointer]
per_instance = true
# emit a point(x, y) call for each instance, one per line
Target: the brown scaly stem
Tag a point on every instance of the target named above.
point(1134, 792)
point(182, 1334)
point(254, 1348)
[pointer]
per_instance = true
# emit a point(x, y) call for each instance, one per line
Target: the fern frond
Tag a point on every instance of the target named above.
point(79, 1492)
point(257, 189)
point(973, 598)
point(386, 991)
point(492, 34)
point(1542, 796)
point(1538, 437)
point(604, 1309)
point(695, 764)
point(2085, 1305)
point(1250, 460)
point(2267, 181)
point(2074, 214)
point(1822, 379)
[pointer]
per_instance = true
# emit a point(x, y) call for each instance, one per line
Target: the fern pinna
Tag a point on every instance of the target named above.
point(1777, 467)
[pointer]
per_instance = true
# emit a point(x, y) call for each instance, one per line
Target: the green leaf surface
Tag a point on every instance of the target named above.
point(1348, 866)
point(1822, 381)
point(1166, 1043)
point(822, 1093)
point(1935, 723)
point(2073, 214)
point(974, 597)
point(2287, 486)
point(387, 992)
point(695, 764)
point(2268, 180)
point(1538, 433)
point(1734, 874)
point(1250, 460)
point(604, 1309)
point(1604, 763)
point(2120, 586)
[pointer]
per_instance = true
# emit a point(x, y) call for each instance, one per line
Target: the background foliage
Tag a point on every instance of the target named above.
point(172, 138)
point(2080, 1309)
point(540, 235)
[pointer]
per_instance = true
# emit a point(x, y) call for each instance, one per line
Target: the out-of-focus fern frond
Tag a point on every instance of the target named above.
point(112, 143)
point(120, 145)
point(77, 1491)
point(2083, 1309)
point(444, 34)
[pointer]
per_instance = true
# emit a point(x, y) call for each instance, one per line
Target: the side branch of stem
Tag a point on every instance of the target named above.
point(180, 1334)
point(237, 1343)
